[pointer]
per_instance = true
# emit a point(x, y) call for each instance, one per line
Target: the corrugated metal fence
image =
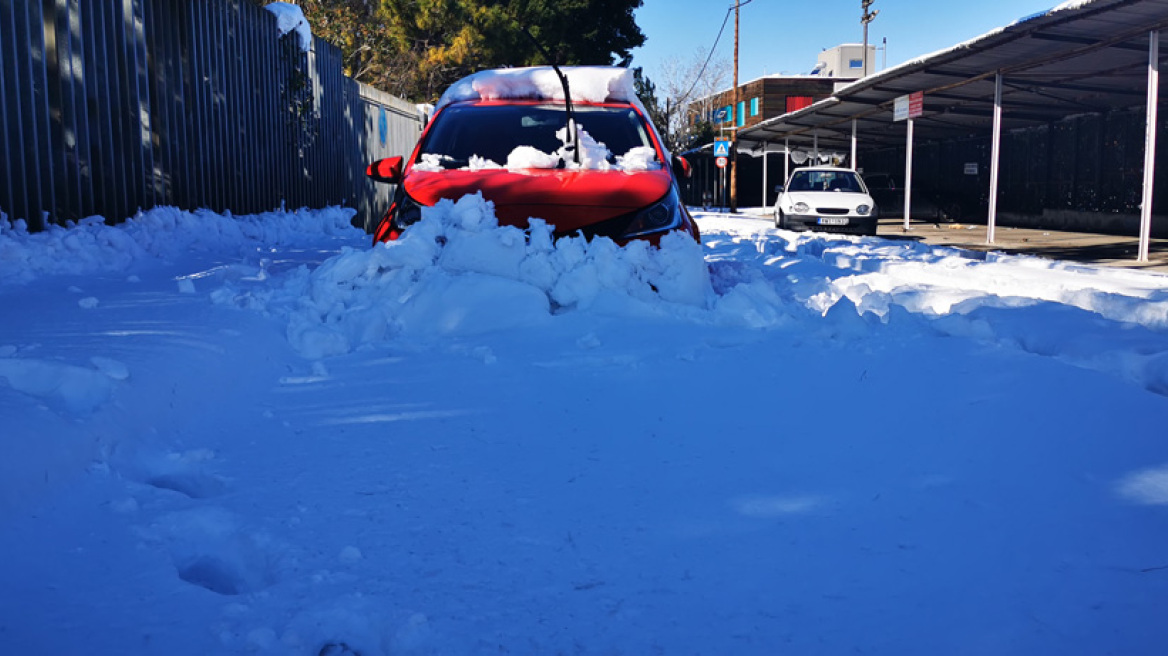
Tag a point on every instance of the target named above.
point(111, 106)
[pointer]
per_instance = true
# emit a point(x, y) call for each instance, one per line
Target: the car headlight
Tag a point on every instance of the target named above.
point(863, 210)
point(409, 211)
point(800, 208)
point(665, 214)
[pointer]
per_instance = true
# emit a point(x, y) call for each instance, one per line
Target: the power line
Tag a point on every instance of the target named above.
point(711, 55)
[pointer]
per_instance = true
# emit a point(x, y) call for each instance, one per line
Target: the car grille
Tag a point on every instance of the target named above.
point(831, 210)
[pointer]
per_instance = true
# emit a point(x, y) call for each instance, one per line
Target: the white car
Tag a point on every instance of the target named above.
point(826, 198)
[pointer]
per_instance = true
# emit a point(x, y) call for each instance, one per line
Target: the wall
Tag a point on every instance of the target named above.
point(113, 106)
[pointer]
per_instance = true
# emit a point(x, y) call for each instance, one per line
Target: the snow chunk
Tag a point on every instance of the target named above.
point(593, 155)
point(76, 390)
point(290, 17)
point(110, 367)
point(641, 158)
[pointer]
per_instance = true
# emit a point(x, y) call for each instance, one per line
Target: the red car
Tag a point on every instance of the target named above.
point(506, 133)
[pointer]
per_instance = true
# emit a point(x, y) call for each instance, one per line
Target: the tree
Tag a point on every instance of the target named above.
point(417, 48)
point(689, 88)
point(686, 99)
point(448, 39)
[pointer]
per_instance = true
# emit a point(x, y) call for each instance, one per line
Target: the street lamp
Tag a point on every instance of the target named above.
point(865, 18)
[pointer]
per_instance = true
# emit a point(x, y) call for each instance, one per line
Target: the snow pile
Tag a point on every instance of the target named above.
point(1102, 319)
point(587, 84)
point(159, 233)
point(290, 17)
point(910, 279)
point(457, 272)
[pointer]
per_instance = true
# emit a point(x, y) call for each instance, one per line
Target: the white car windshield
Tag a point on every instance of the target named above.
point(825, 181)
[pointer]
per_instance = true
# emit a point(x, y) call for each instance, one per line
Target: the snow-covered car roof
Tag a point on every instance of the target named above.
point(587, 84)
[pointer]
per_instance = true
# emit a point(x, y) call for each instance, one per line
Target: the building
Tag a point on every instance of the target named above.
point(762, 99)
point(845, 61)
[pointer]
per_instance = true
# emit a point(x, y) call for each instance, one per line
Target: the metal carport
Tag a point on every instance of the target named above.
point(1084, 56)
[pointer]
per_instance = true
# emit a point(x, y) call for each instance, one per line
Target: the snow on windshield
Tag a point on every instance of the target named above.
point(593, 156)
point(535, 136)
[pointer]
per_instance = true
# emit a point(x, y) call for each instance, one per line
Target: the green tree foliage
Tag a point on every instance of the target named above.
point(448, 39)
point(416, 48)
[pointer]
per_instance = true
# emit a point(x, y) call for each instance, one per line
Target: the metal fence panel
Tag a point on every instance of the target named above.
point(120, 105)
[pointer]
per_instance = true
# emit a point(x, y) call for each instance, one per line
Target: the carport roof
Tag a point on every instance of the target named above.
point(1084, 56)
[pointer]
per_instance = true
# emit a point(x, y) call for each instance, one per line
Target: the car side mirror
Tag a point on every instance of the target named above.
point(778, 189)
point(386, 170)
point(681, 167)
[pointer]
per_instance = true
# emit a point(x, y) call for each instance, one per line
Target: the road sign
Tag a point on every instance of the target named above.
point(721, 162)
point(720, 116)
point(910, 106)
point(721, 149)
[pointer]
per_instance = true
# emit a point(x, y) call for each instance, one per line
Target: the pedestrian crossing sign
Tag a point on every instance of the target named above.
point(721, 149)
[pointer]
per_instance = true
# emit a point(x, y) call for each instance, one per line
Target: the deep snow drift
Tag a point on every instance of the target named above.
point(259, 435)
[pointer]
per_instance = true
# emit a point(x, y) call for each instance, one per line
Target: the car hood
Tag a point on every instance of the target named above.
point(830, 198)
point(567, 200)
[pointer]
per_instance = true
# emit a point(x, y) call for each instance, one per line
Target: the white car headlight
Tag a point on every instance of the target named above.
point(863, 210)
point(799, 208)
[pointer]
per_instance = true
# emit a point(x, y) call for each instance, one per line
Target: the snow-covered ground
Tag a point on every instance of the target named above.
point(258, 435)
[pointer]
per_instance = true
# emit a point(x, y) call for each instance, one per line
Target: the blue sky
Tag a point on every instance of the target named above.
point(784, 36)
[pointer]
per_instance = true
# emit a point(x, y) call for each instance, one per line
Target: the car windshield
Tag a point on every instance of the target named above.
point(492, 132)
point(825, 181)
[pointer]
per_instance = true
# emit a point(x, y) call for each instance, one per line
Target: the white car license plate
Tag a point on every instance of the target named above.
point(833, 220)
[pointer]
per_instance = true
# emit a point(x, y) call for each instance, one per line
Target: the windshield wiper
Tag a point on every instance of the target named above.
point(572, 142)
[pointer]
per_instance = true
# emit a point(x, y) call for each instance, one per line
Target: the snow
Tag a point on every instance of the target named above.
point(595, 84)
point(265, 436)
point(290, 17)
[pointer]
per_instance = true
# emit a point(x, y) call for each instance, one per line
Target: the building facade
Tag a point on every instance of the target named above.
point(761, 99)
point(845, 60)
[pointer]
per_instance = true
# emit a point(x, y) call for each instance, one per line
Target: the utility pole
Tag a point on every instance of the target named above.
point(865, 18)
point(734, 113)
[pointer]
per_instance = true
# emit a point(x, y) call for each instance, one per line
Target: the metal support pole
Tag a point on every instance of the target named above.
point(1150, 143)
point(995, 159)
point(764, 173)
point(738, 118)
point(854, 167)
point(786, 159)
point(908, 162)
point(815, 148)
